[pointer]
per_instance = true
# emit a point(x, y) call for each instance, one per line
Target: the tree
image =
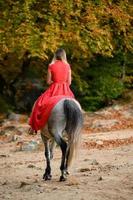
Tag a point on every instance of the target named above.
point(86, 29)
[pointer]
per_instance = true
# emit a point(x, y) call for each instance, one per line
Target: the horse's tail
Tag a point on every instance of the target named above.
point(74, 121)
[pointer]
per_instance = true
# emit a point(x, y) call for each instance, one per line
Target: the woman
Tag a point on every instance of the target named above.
point(59, 79)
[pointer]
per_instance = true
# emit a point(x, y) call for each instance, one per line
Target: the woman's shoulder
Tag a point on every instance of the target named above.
point(50, 66)
point(55, 64)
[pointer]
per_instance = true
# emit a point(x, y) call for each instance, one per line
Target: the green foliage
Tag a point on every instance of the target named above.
point(104, 83)
point(91, 103)
point(109, 87)
point(128, 79)
point(4, 106)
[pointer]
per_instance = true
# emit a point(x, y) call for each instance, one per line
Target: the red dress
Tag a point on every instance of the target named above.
point(58, 89)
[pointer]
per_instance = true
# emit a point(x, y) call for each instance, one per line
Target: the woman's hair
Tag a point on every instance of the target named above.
point(60, 54)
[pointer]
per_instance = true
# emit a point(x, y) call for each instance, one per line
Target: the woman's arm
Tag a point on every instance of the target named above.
point(49, 77)
point(69, 80)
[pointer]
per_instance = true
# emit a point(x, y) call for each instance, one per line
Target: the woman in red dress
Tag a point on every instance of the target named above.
point(59, 79)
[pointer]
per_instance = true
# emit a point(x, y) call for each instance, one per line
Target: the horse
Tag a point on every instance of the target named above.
point(63, 127)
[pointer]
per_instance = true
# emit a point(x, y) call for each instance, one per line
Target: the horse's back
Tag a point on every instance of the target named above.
point(58, 110)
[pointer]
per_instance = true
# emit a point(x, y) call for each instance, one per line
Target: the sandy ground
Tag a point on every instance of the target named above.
point(101, 172)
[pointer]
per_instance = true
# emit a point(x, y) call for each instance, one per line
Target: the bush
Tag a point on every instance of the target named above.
point(4, 107)
point(101, 83)
point(91, 103)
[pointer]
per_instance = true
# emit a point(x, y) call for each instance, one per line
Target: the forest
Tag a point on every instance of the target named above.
point(97, 36)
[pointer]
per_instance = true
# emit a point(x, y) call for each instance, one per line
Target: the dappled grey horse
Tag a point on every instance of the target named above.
point(63, 127)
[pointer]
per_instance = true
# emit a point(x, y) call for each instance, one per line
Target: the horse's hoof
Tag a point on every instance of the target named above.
point(62, 178)
point(47, 177)
point(67, 173)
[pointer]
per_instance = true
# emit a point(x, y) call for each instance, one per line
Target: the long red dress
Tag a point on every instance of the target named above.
point(58, 89)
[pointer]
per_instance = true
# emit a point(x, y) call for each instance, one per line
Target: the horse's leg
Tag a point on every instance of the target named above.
point(47, 174)
point(52, 145)
point(67, 155)
point(63, 146)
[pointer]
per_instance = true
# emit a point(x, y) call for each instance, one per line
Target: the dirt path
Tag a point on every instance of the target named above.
point(102, 172)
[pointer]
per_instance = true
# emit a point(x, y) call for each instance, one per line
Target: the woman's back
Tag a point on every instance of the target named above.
point(59, 71)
